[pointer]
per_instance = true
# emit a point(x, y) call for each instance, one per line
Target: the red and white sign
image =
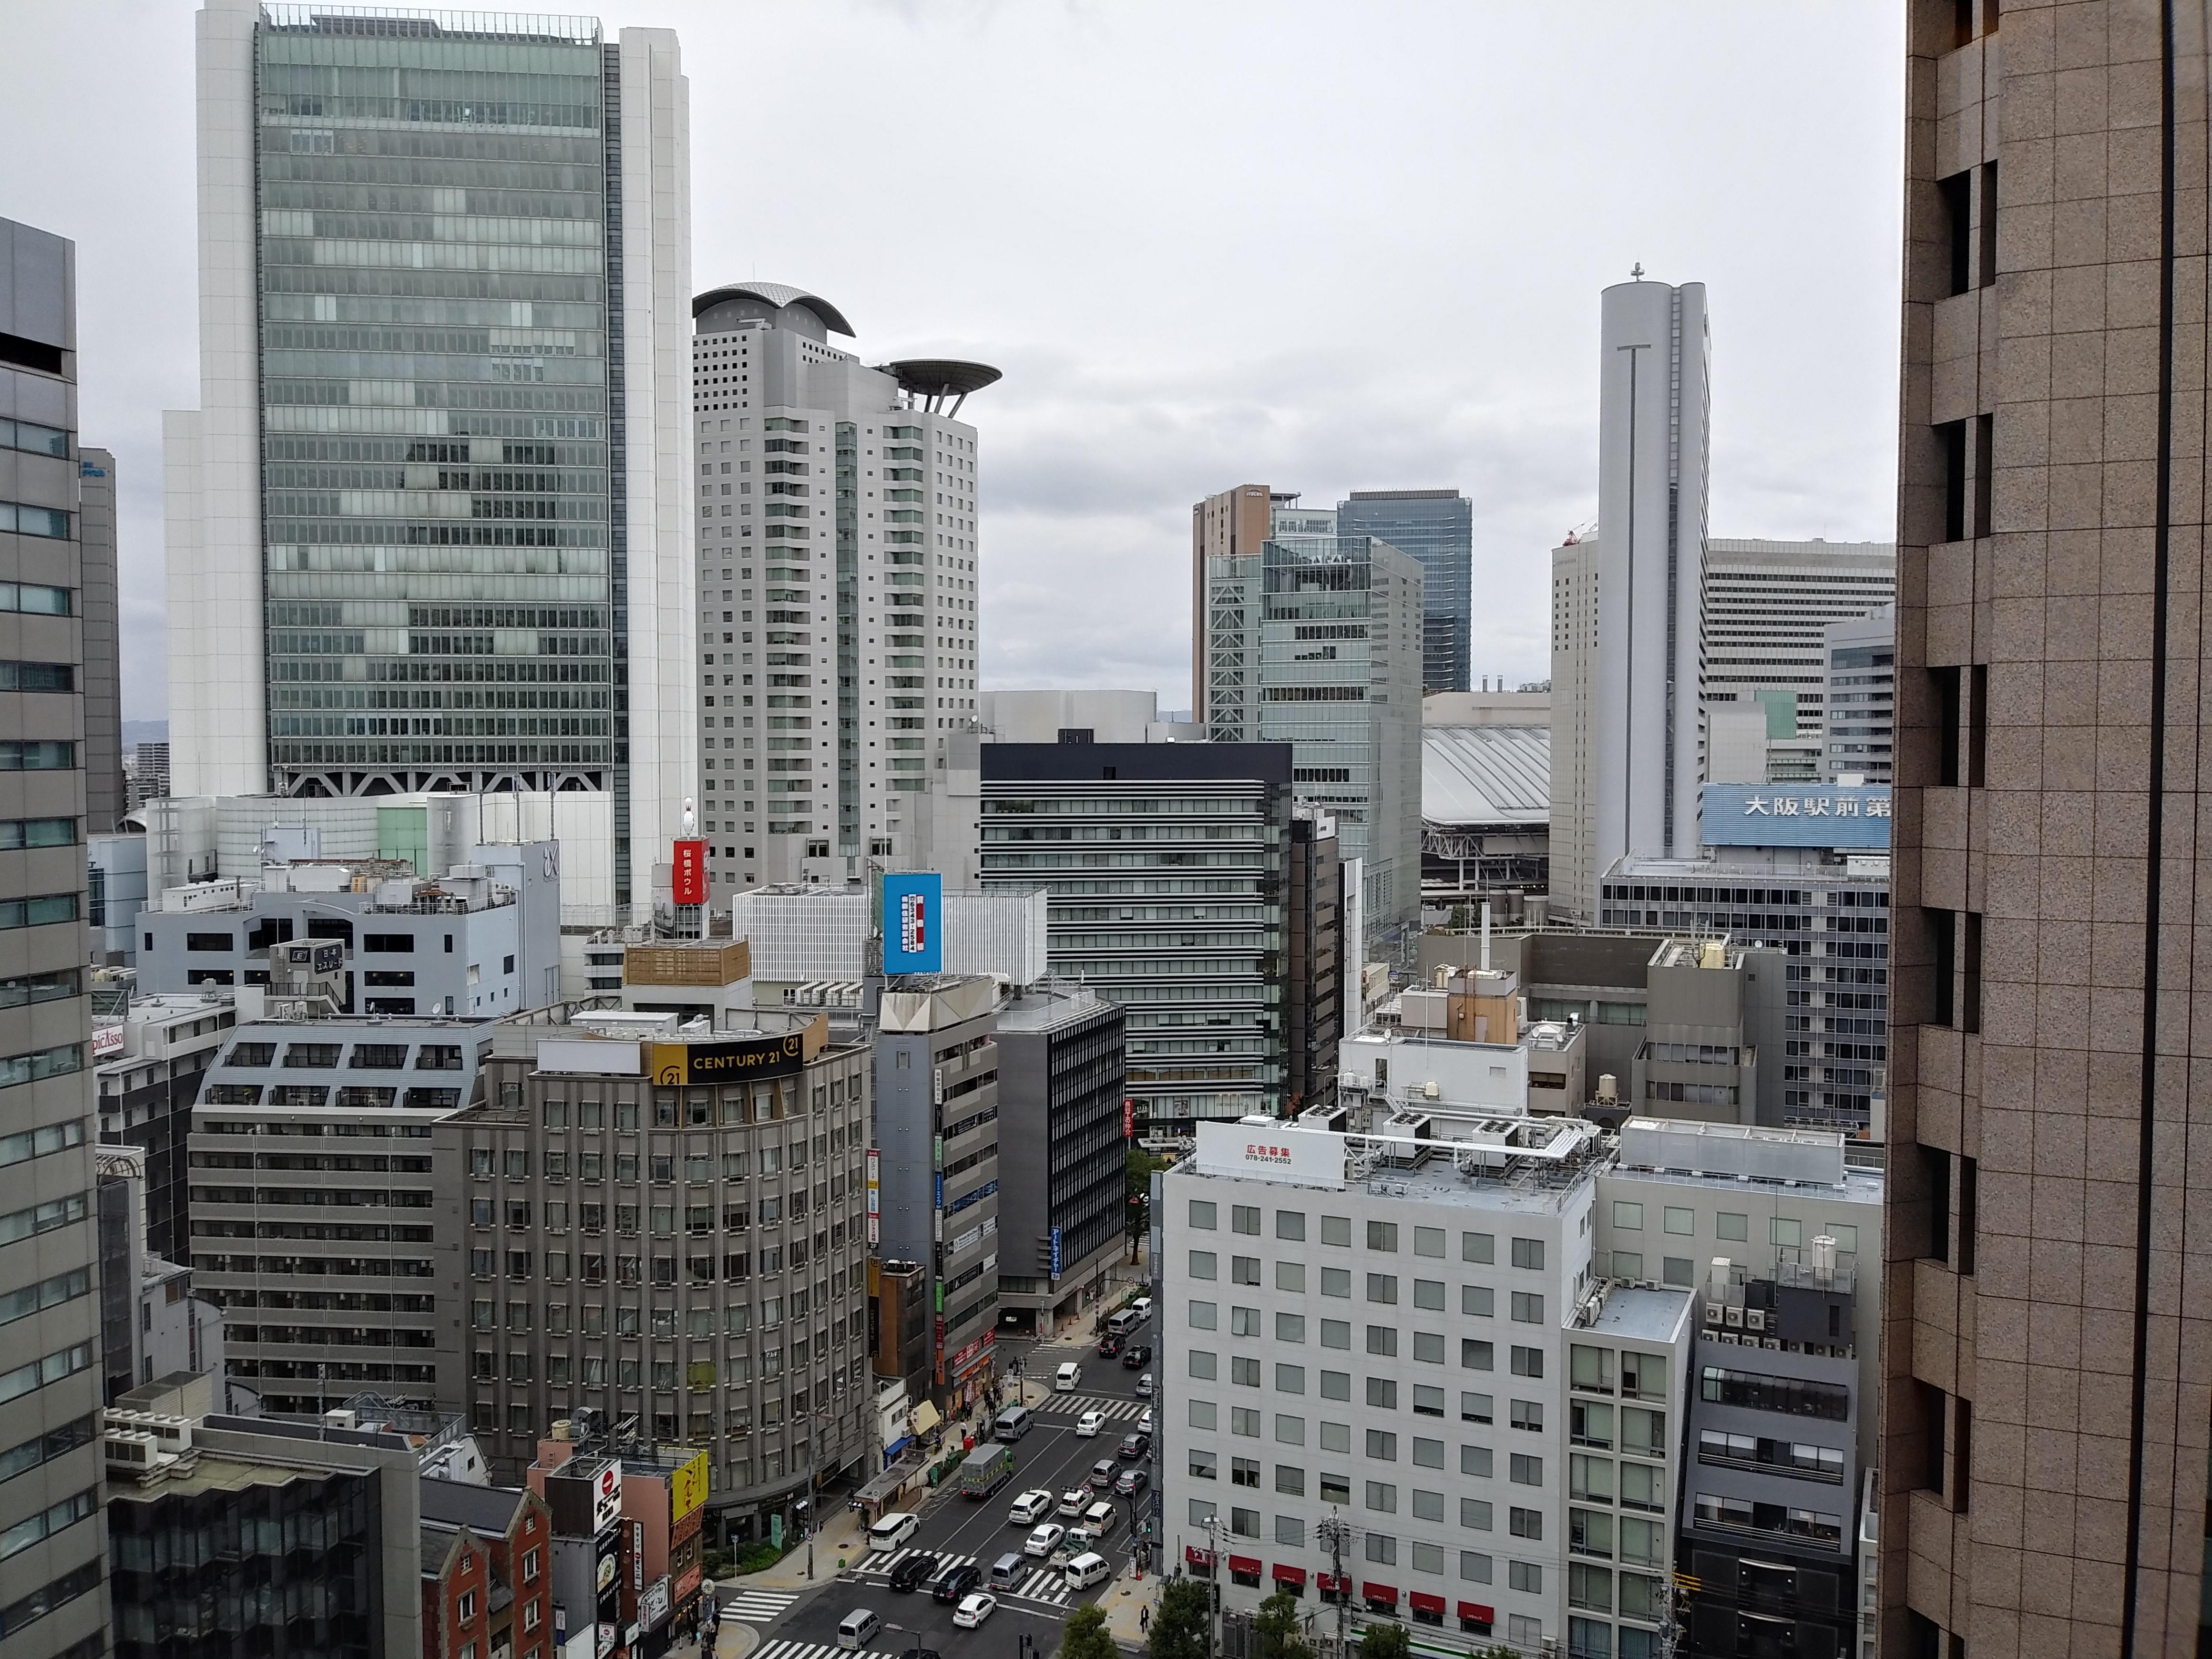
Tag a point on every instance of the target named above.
point(1128, 1117)
point(1272, 1153)
point(106, 1042)
point(606, 1496)
point(914, 924)
point(689, 876)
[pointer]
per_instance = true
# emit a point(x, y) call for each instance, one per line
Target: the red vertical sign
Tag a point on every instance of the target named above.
point(1128, 1117)
point(690, 872)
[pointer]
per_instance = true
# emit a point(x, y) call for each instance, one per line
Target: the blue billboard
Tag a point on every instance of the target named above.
point(914, 924)
point(1852, 817)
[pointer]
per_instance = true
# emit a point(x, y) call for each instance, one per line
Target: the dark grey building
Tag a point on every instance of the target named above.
point(937, 1165)
point(105, 798)
point(1063, 1155)
point(50, 1596)
point(1168, 866)
point(669, 1226)
point(1437, 526)
point(148, 1086)
point(311, 1201)
point(1313, 986)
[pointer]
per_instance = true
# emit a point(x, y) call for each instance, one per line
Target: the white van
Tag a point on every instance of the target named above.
point(893, 1530)
point(1013, 1422)
point(855, 1628)
point(1088, 1569)
point(1067, 1378)
point(1125, 1321)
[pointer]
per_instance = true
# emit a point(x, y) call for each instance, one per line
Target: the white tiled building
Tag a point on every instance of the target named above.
point(838, 586)
point(1396, 1381)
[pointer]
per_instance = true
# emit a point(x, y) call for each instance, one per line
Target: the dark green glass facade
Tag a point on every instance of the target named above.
point(442, 464)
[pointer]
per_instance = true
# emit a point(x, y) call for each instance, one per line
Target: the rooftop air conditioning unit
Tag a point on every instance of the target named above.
point(1712, 1313)
point(1755, 1319)
point(1774, 1342)
point(1734, 1317)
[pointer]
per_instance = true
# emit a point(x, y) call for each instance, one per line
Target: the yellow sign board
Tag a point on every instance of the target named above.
point(687, 1488)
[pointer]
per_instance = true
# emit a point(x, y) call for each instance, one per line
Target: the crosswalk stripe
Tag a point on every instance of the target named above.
point(757, 1604)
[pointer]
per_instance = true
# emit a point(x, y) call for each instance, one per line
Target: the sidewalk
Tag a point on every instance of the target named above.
point(841, 1535)
point(1122, 1604)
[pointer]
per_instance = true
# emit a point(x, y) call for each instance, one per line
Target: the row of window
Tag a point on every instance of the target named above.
point(34, 521)
point(36, 1374)
point(1475, 1301)
point(41, 1218)
point(38, 439)
point(49, 1292)
point(55, 1517)
point(1381, 1235)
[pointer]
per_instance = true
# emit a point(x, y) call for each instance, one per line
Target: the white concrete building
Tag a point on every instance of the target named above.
point(431, 527)
point(1768, 606)
point(1392, 1377)
point(839, 587)
point(1653, 409)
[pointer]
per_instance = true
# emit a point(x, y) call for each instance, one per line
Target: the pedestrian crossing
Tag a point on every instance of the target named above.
point(1040, 1582)
point(756, 1606)
point(1075, 1405)
point(825, 1651)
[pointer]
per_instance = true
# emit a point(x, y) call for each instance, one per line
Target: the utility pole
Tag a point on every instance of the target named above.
point(1336, 1533)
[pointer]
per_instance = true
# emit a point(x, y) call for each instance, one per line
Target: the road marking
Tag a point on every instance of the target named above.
point(1075, 1405)
point(756, 1606)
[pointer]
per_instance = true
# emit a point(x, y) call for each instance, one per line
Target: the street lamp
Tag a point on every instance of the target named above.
point(903, 1630)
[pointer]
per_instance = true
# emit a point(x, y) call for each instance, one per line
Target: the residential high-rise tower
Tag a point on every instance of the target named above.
point(431, 527)
point(840, 595)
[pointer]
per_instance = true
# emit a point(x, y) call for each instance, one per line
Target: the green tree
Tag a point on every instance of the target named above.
point(1385, 1642)
point(1275, 1629)
point(1086, 1636)
point(1179, 1622)
point(1141, 1166)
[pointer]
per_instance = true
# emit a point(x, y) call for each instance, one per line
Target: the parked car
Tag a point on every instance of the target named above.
point(1102, 1474)
point(916, 1570)
point(1109, 1345)
point(1043, 1539)
point(1145, 1421)
point(1131, 1482)
point(1089, 1423)
point(1138, 1358)
point(1072, 1504)
point(1134, 1448)
point(1144, 1386)
point(1031, 1507)
point(956, 1582)
point(975, 1609)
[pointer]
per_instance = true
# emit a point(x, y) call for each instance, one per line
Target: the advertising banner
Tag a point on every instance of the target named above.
point(1277, 1152)
point(1827, 815)
point(678, 1065)
point(689, 876)
point(914, 934)
point(687, 1488)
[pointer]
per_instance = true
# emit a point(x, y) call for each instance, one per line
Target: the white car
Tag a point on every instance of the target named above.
point(1044, 1540)
point(974, 1609)
point(1031, 1507)
point(1145, 1421)
point(1089, 1423)
point(1074, 1502)
point(893, 1530)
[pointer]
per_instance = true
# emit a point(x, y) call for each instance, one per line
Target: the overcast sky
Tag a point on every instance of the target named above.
point(1322, 247)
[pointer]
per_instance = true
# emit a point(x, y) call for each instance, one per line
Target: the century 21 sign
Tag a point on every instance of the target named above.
point(676, 1064)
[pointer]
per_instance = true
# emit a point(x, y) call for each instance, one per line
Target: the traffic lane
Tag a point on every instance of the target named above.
point(1052, 1458)
point(1100, 1375)
point(922, 1620)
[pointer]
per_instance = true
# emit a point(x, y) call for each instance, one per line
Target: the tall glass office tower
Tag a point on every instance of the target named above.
point(1437, 526)
point(430, 527)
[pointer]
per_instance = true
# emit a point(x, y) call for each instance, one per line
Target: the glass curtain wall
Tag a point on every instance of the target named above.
point(443, 600)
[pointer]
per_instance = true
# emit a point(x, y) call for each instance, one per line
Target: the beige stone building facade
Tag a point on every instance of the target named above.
point(2047, 1353)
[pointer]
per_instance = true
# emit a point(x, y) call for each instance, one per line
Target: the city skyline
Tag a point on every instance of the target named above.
point(1115, 416)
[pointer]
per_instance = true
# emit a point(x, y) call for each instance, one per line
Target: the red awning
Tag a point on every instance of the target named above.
point(1475, 1610)
point(1374, 1592)
point(1197, 1557)
point(1245, 1564)
point(1284, 1574)
point(1329, 1582)
point(1425, 1602)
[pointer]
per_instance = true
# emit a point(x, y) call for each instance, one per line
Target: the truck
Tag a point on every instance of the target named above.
point(985, 1469)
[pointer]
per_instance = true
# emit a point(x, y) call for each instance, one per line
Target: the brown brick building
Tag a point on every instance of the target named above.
point(2046, 1359)
point(487, 1580)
